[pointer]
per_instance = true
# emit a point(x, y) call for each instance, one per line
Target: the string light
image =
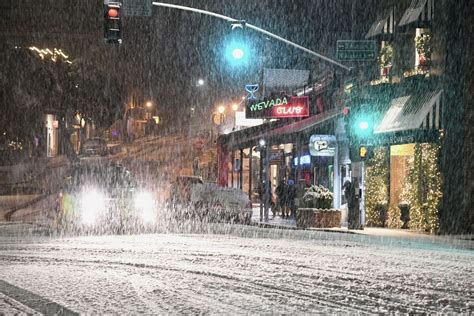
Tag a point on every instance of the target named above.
point(422, 189)
point(376, 186)
point(55, 54)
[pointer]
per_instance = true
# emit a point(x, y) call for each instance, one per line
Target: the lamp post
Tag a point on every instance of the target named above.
point(221, 111)
point(265, 192)
point(149, 107)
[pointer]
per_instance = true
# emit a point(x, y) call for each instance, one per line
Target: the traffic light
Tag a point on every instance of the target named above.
point(237, 50)
point(112, 22)
point(363, 152)
point(363, 125)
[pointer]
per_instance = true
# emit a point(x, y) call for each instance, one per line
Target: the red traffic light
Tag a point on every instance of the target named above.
point(345, 111)
point(113, 13)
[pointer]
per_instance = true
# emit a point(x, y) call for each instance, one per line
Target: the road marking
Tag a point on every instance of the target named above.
point(34, 301)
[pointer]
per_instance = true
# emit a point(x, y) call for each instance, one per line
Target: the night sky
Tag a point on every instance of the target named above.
point(163, 56)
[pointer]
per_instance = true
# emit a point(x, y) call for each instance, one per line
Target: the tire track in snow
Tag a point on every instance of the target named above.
point(262, 287)
point(333, 282)
point(236, 258)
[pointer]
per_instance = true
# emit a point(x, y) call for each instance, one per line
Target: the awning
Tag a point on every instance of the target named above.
point(421, 110)
point(379, 24)
point(413, 12)
point(304, 125)
point(278, 132)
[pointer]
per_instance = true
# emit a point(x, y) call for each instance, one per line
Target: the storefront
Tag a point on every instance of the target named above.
point(301, 150)
point(402, 180)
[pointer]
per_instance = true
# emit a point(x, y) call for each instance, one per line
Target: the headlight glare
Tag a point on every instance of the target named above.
point(144, 203)
point(92, 206)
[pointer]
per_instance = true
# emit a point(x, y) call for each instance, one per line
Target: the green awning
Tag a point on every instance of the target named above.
point(420, 110)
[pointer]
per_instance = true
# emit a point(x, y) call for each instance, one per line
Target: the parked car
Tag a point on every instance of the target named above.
point(103, 198)
point(94, 147)
point(194, 198)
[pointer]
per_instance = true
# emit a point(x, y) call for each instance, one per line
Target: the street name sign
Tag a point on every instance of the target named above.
point(348, 50)
point(137, 7)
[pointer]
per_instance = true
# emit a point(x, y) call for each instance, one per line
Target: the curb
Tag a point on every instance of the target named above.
point(10, 212)
point(314, 229)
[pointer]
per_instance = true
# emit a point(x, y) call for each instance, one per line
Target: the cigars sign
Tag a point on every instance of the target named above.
point(278, 107)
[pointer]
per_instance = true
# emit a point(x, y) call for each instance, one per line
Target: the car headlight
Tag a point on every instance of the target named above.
point(145, 203)
point(93, 204)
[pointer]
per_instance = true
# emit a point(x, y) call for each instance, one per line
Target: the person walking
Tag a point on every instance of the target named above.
point(290, 199)
point(281, 192)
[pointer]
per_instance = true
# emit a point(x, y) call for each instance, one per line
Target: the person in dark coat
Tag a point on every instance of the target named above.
point(349, 195)
point(281, 192)
point(290, 198)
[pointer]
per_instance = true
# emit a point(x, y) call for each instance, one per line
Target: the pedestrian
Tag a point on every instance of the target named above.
point(290, 198)
point(38, 145)
point(196, 167)
point(281, 192)
point(349, 194)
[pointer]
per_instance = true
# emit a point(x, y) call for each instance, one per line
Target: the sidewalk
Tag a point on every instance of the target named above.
point(30, 170)
point(466, 241)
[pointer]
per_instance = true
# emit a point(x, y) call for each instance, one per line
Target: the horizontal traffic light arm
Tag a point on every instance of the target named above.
point(255, 28)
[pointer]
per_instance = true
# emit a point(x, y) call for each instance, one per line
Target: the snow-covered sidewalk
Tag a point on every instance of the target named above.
point(464, 241)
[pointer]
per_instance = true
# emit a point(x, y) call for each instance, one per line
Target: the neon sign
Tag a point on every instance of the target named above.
point(251, 89)
point(279, 107)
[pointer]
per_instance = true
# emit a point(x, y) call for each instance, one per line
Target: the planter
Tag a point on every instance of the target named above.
point(318, 204)
point(319, 218)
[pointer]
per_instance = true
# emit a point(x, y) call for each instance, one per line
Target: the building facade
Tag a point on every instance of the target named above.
point(416, 97)
point(421, 91)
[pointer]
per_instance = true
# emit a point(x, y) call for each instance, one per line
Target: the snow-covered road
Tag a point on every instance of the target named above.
point(247, 270)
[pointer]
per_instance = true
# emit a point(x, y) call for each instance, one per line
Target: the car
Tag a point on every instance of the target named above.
point(102, 198)
point(191, 197)
point(94, 147)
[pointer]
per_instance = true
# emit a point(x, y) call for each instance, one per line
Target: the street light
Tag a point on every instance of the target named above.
point(149, 104)
point(200, 82)
point(235, 107)
point(221, 109)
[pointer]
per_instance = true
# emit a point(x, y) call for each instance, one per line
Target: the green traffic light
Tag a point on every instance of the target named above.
point(238, 53)
point(364, 125)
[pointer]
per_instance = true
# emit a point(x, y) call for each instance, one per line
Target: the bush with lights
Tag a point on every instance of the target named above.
point(376, 186)
point(422, 190)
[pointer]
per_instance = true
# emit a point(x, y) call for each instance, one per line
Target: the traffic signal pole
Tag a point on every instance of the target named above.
point(255, 28)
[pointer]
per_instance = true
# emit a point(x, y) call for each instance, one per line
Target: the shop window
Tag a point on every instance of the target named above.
point(385, 63)
point(386, 59)
point(423, 51)
point(423, 45)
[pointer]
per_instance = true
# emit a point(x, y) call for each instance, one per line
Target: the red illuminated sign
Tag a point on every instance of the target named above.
point(280, 107)
point(296, 107)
